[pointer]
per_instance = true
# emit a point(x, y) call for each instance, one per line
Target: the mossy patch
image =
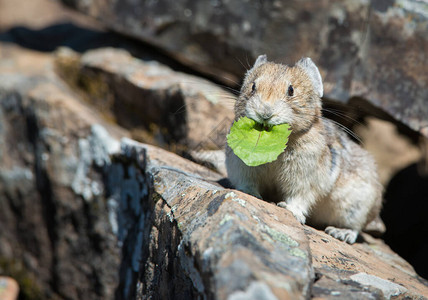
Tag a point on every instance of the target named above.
point(28, 288)
point(286, 240)
point(297, 252)
point(281, 237)
point(226, 219)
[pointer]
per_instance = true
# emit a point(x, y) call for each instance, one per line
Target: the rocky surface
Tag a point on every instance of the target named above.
point(230, 245)
point(56, 237)
point(156, 104)
point(39, 14)
point(87, 217)
point(204, 241)
point(367, 50)
point(88, 213)
point(9, 288)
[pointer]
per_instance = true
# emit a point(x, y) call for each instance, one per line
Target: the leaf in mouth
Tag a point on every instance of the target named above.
point(256, 144)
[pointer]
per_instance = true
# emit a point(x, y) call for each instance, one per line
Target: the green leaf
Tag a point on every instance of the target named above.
point(255, 144)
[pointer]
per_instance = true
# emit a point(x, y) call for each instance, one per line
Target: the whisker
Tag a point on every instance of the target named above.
point(248, 62)
point(349, 131)
point(245, 68)
point(180, 110)
point(234, 91)
point(344, 128)
point(342, 115)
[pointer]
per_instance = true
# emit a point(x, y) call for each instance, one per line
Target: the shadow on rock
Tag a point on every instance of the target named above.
point(404, 214)
point(66, 34)
point(82, 39)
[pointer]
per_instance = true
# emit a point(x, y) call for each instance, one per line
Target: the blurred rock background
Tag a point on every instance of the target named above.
point(80, 217)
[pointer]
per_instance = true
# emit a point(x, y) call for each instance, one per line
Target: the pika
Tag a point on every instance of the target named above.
point(323, 177)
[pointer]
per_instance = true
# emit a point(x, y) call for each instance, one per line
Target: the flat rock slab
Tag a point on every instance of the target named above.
point(158, 105)
point(227, 245)
point(221, 243)
point(372, 50)
point(365, 270)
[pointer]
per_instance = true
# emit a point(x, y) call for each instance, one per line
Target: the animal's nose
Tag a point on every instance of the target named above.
point(265, 115)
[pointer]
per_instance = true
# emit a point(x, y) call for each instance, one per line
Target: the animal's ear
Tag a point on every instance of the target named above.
point(314, 74)
point(260, 60)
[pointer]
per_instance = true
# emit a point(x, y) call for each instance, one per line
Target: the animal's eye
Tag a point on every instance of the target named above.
point(290, 90)
point(253, 87)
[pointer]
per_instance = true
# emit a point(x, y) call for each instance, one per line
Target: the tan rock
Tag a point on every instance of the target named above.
point(85, 217)
point(372, 50)
point(55, 235)
point(249, 248)
point(226, 243)
point(9, 288)
point(179, 111)
point(370, 267)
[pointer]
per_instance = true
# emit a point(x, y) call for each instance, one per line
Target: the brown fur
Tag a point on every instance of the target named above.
point(322, 176)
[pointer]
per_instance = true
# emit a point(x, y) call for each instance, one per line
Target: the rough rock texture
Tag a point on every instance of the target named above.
point(84, 216)
point(202, 240)
point(9, 288)
point(158, 105)
point(22, 13)
point(372, 50)
point(56, 239)
point(379, 273)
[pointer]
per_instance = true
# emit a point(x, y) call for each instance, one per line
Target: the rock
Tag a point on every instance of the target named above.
point(392, 151)
point(21, 13)
point(388, 288)
point(9, 288)
point(221, 243)
point(202, 240)
point(56, 238)
point(158, 105)
point(378, 273)
point(84, 216)
point(366, 50)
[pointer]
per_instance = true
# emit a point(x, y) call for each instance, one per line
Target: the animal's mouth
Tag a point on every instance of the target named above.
point(263, 126)
point(267, 127)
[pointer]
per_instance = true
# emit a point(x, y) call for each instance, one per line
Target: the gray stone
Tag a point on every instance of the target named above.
point(367, 270)
point(388, 288)
point(156, 104)
point(370, 51)
point(224, 244)
point(86, 217)
point(9, 288)
point(217, 242)
point(56, 239)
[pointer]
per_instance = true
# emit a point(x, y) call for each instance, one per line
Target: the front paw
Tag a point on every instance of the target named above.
point(298, 214)
point(343, 234)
